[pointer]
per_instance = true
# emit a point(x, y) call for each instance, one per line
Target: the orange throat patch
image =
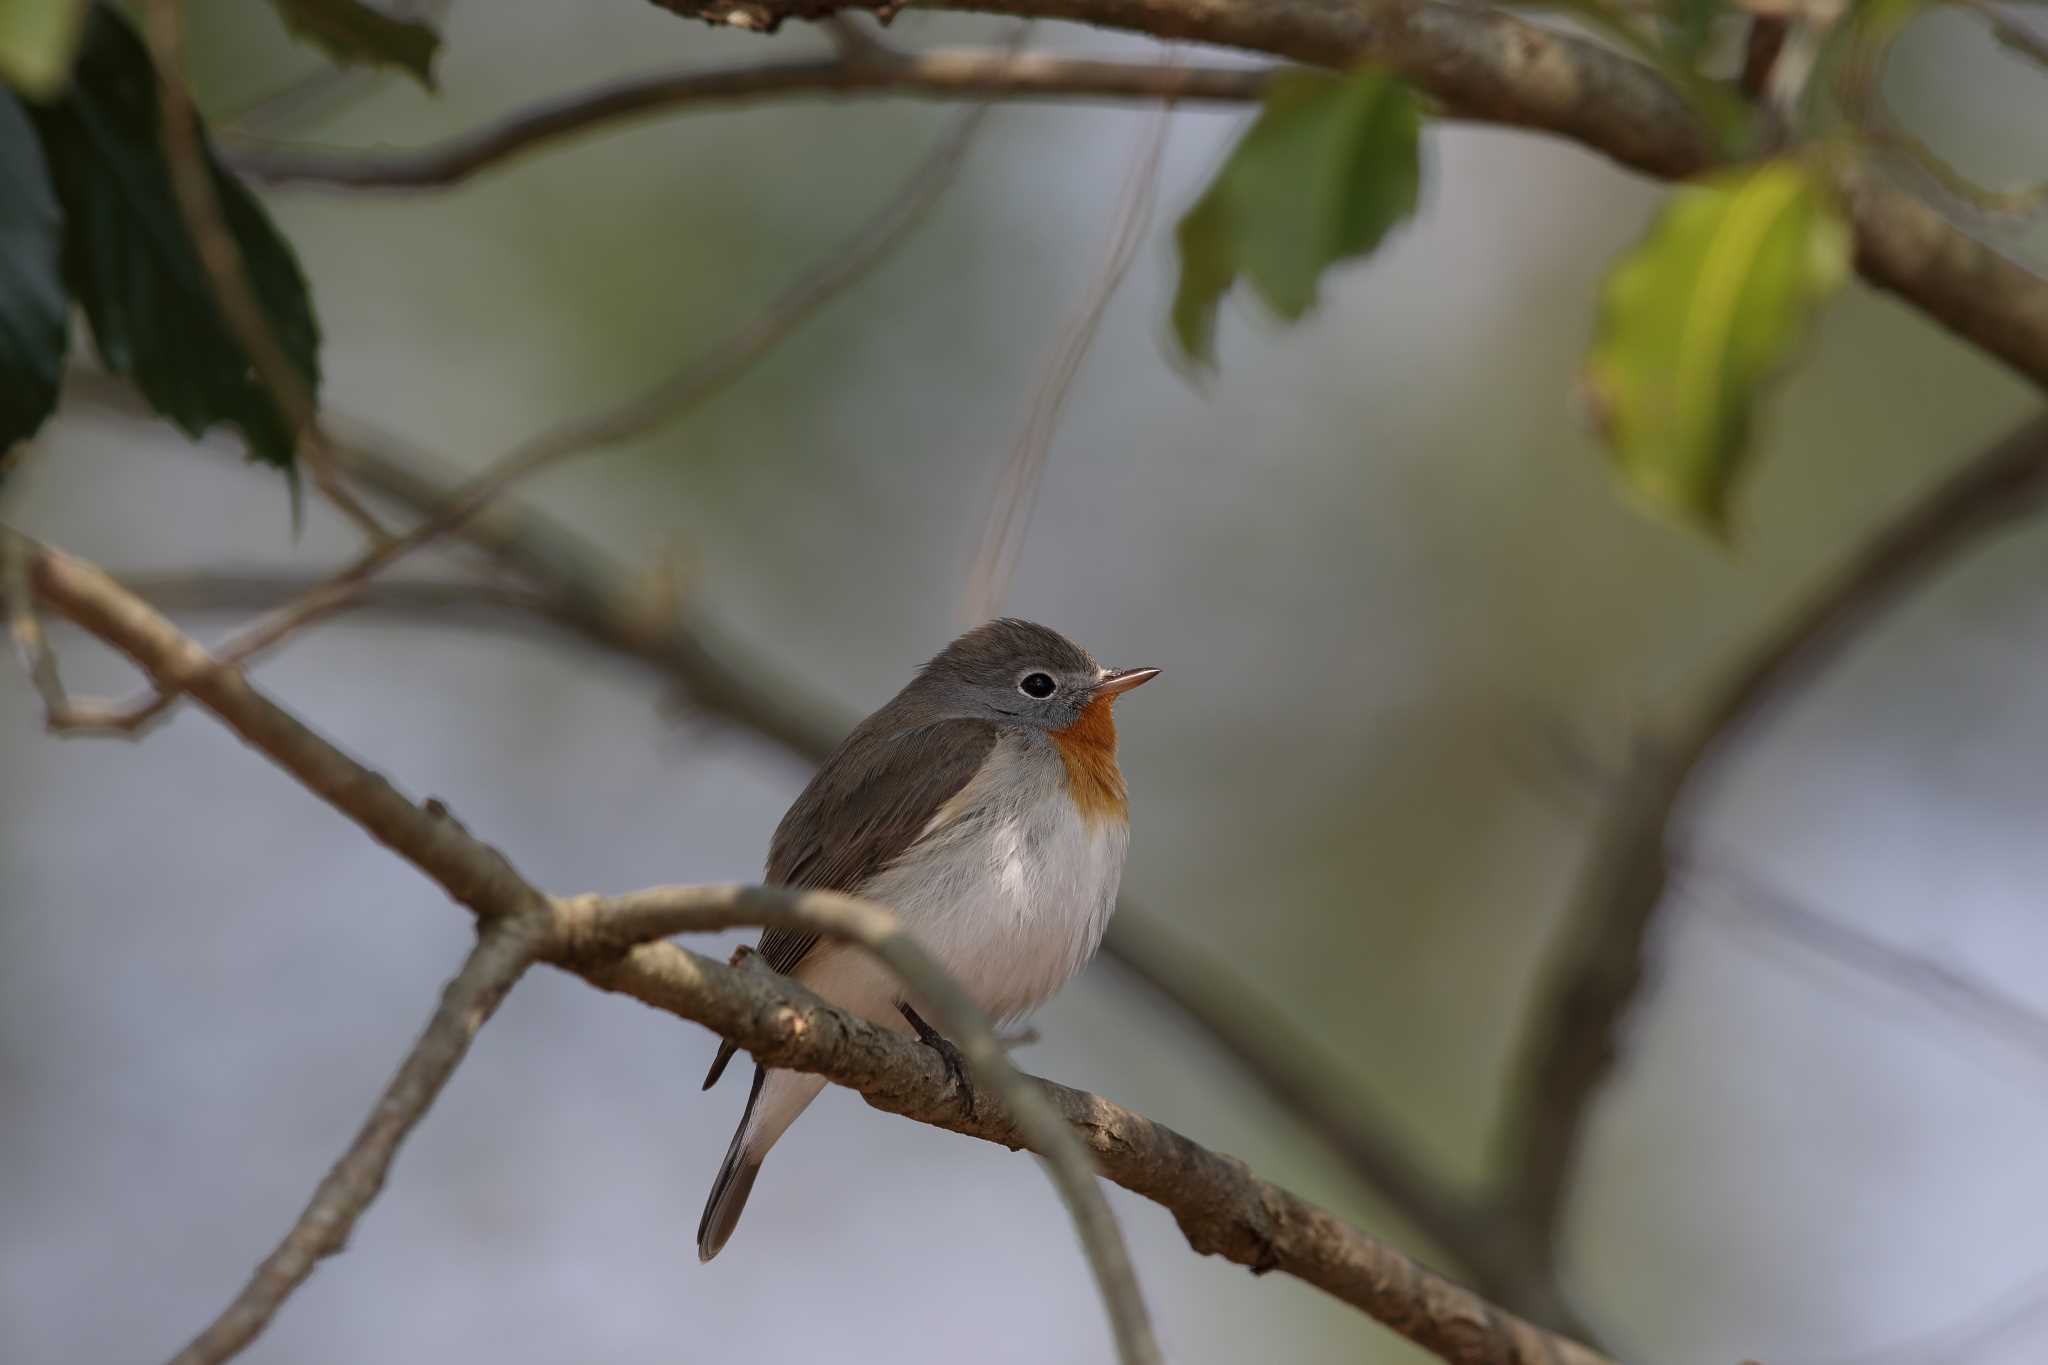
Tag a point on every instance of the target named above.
point(1088, 747)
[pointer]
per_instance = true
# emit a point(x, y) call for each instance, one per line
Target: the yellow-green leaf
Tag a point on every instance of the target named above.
point(352, 32)
point(38, 39)
point(1330, 165)
point(1696, 320)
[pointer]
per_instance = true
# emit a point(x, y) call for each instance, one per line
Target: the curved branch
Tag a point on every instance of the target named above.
point(1572, 1045)
point(1221, 1207)
point(588, 927)
point(503, 952)
point(940, 74)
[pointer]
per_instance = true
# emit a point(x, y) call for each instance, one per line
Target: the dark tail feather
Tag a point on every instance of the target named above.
point(725, 1051)
point(735, 1181)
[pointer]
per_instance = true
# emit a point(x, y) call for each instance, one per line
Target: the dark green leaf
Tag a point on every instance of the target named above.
point(1692, 24)
point(1696, 320)
point(38, 39)
point(1329, 167)
point(34, 311)
point(351, 32)
point(131, 265)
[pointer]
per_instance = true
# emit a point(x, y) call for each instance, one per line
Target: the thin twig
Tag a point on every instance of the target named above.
point(226, 272)
point(62, 713)
point(1572, 1044)
point(611, 925)
point(674, 396)
point(1016, 492)
point(2020, 37)
point(973, 73)
point(504, 949)
point(1752, 899)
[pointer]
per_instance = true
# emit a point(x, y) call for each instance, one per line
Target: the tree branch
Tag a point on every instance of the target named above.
point(1572, 1044)
point(504, 950)
point(1487, 65)
point(607, 926)
point(1220, 1206)
point(981, 74)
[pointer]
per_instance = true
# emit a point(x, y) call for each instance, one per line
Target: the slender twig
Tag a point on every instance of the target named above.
point(674, 396)
point(2020, 37)
point(1749, 898)
point(504, 950)
point(1572, 1043)
point(972, 73)
point(227, 274)
point(62, 713)
point(1016, 492)
point(612, 925)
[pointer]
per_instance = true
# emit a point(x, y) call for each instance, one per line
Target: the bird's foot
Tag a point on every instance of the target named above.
point(956, 1065)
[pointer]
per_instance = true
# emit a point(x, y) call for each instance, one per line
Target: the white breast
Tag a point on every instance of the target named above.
point(1010, 889)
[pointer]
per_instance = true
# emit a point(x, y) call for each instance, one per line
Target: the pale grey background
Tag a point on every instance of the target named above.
point(1382, 564)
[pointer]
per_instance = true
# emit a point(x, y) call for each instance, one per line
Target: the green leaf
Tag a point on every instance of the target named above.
point(1329, 167)
point(1692, 25)
point(351, 32)
point(131, 265)
point(34, 312)
point(1696, 319)
point(38, 39)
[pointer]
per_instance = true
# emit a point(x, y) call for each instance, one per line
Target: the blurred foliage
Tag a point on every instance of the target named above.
point(1330, 166)
point(1695, 320)
point(352, 33)
point(34, 314)
point(38, 39)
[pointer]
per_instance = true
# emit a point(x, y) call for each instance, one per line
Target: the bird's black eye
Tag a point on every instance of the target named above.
point(1037, 685)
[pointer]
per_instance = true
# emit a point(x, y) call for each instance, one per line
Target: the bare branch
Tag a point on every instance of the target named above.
point(609, 926)
point(1486, 65)
point(503, 951)
point(1220, 1206)
point(980, 74)
point(1752, 899)
point(1572, 1043)
point(62, 713)
point(681, 392)
point(227, 274)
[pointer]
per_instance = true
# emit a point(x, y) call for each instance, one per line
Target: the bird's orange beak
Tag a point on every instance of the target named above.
point(1118, 680)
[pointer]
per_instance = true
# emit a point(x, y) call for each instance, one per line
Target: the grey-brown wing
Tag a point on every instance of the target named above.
point(865, 806)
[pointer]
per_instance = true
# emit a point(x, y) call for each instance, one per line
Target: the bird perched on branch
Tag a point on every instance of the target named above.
point(984, 805)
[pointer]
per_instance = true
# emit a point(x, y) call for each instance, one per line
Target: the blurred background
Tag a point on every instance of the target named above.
point(1402, 613)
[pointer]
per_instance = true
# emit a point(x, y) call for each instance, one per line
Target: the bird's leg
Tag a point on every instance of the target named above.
point(956, 1065)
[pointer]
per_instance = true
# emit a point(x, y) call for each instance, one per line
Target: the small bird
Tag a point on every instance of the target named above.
point(984, 805)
